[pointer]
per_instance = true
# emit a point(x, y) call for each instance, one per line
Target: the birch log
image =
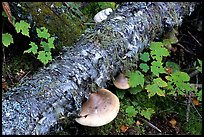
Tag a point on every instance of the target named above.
point(58, 90)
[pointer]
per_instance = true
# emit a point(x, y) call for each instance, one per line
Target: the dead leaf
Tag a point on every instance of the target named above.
point(138, 123)
point(195, 101)
point(123, 128)
point(4, 84)
point(169, 70)
point(173, 123)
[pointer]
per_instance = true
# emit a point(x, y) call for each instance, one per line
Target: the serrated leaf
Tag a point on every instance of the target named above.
point(155, 45)
point(157, 68)
point(172, 65)
point(135, 90)
point(51, 42)
point(22, 27)
point(199, 95)
point(144, 56)
point(154, 89)
point(33, 49)
point(160, 82)
point(130, 110)
point(45, 46)
point(183, 86)
point(44, 57)
point(179, 76)
point(7, 39)
point(147, 113)
point(159, 54)
point(4, 14)
point(43, 33)
point(199, 68)
point(136, 78)
point(144, 67)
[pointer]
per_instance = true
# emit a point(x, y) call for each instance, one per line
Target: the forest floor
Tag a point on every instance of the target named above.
point(186, 52)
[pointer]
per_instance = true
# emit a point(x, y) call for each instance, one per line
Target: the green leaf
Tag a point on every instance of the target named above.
point(120, 93)
point(136, 78)
point(7, 39)
point(45, 46)
point(44, 57)
point(51, 42)
point(4, 14)
point(157, 68)
point(33, 49)
point(22, 27)
point(159, 54)
point(130, 110)
point(135, 90)
point(144, 67)
point(200, 64)
point(155, 45)
point(172, 65)
point(144, 56)
point(179, 76)
point(43, 33)
point(154, 89)
point(147, 113)
point(199, 95)
point(160, 82)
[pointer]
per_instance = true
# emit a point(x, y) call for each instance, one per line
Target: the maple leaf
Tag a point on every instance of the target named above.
point(154, 89)
point(160, 82)
point(33, 48)
point(144, 56)
point(22, 27)
point(144, 67)
point(130, 110)
point(157, 68)
point(136, 78)
point(147, 113)
point(7, 39)
point(42, 33)
point(44, 57)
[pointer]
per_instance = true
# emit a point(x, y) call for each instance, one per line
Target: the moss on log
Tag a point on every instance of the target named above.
point(55, 16)
point(58, 90)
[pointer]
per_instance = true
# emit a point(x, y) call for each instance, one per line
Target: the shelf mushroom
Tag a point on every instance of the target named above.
point(100, 109)
point(102, 15)
point(121, 82)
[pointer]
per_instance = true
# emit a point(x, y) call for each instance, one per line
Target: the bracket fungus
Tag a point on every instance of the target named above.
point(100, 109)
point(121, 82)
point(102, 15)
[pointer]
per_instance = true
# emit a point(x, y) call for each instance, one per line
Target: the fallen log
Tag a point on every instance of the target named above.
point(58, 90)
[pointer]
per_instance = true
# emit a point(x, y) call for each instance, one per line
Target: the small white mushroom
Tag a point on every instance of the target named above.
point(121, 82)
point(100, 109)
point(102, 15)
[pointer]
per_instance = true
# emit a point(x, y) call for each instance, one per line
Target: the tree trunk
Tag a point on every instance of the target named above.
point(58, 90)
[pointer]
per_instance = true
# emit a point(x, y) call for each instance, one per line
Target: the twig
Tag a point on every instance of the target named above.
point(196, 85)
point(194, 73)
point(194, 38)
point(185, 49)
point(188, 106)
point(21, 80)
point(150, 124)
point(195, 109)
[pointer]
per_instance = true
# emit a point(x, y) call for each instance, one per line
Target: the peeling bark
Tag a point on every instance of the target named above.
point(58, 90)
